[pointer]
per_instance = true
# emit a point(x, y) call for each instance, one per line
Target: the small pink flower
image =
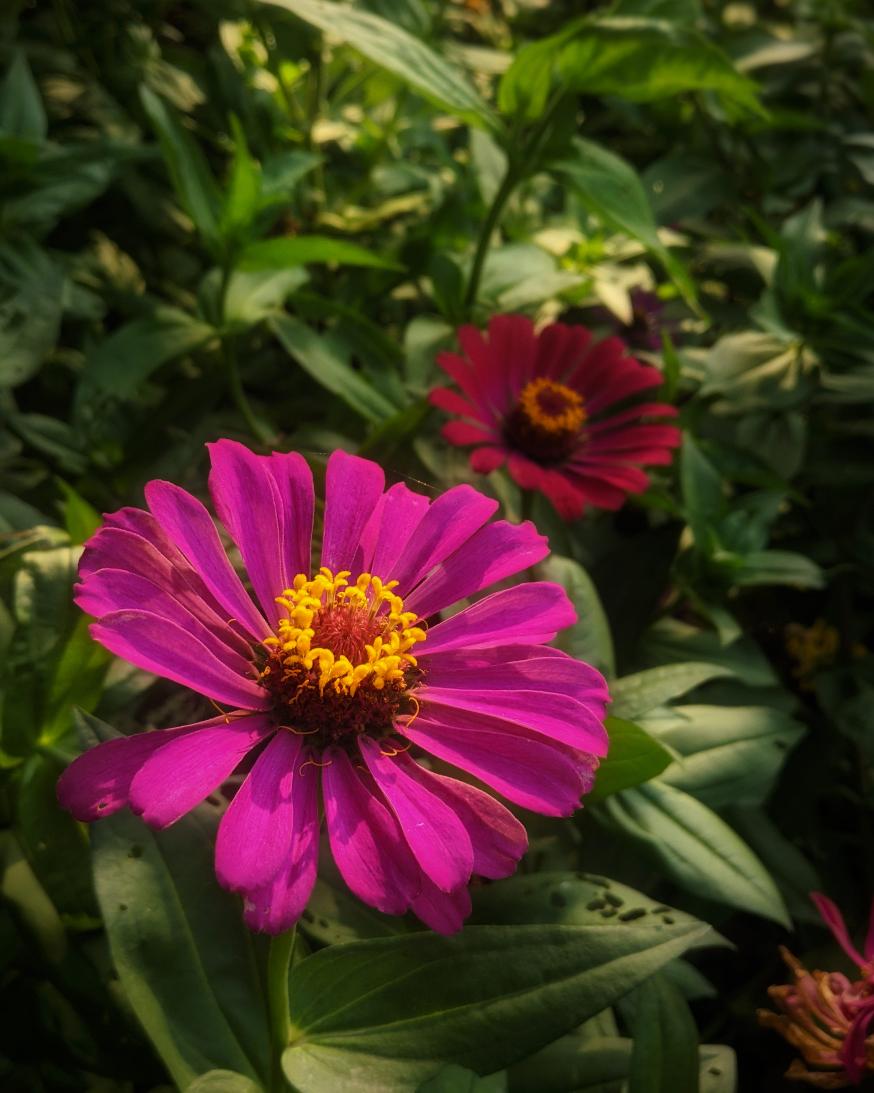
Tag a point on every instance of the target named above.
point(825, 1015)
point(331, 677)
point(555, 408)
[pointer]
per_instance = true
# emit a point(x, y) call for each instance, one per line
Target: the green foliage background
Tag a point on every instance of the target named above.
point(264, 220)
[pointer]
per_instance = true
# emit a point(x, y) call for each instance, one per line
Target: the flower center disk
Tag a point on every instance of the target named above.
point(547, 420)
point(339, 665)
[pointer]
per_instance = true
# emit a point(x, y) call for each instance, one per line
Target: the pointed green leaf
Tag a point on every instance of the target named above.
point(634, 757)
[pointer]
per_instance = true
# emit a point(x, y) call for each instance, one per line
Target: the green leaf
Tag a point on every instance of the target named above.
point(456, 1079)
point(121, 363)
point(393, 48)
point(573, 899)
point(185, 960)
point(610, 188)
point(778, 567)
point(386, 1014)
point(643, 59)
point(243, 197)
point(298, 250)
point(718, 1069)
point(589, 638)
point(192, 179)
point(698, 849)
point(665, 1055)
point(730, 754)
point(223, 1081)
point(325, 363)
point(597, 1064)
point(21, 110)
point(634, 757)
point(80, 519)
point(23, 893)
point(55, 843)
point(31, 293)
point(75, 680)
point(702, 489)
point(637, 694)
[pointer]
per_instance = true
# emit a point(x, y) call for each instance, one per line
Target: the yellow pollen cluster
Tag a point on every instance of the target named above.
point(328, 606)
point(537, 396)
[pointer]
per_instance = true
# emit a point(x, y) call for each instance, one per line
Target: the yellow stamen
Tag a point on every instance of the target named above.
point(328, 602)
point(552, 407)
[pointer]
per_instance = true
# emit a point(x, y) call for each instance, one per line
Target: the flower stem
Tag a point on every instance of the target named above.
point(508, 184)
point(235, 386)
point(278, 962)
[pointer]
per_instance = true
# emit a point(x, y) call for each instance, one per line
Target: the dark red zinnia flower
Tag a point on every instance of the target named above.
point(557, 408)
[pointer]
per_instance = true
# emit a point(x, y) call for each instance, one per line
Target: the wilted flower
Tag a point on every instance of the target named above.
point(331, 676)
point(826, 1015)
point(554, 407)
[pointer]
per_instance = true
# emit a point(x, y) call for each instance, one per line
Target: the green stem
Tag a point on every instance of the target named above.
point(278, 963)
point(508, 184)
point(235, 386)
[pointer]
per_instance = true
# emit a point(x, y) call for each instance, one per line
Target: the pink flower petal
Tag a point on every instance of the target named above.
point(190, 526)
point(353, 488)
point(494, 552)
point(832, 917)
point(497, 837)
point(366, 840)
point(513, 350)
point(399, 515)
point(486, 460)
point(164, 648)
point(524, 667)
point(450, 521)
point(111, 590)
point(434, 833)
point(533, 612)
point(529, 770)
point(188, 768)
point(246, 498)
point(275, 907)
point(557, 716)
point(97, 783)
point(561, 349)
point(444, 912)
point(294, 480)
point(255, 834)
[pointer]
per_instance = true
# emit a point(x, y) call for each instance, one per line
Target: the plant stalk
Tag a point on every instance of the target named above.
point(508, 184)
point(278, 963)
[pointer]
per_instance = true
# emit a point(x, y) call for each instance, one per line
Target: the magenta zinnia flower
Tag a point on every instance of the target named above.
point(556, 408)
point(825, 1015)
point(332, 676)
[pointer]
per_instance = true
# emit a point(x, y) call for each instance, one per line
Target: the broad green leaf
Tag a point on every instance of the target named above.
point(610, 188)
point(189, 172)
point(393, 48)
point(121, 363)
point(592, 1065)
point(333, 915)
point(250, 298)
point(671, 640)
point(731, 755)
point(298, 250)
point(643, 59)
point(243, 197)
point(665, 1055)
point(31, 294)
point(187, 963)
point(24, 895)
point(75, 680)
point(387, 1014)
point(574, 899)
point(223, 1081)
point(778, 567)
point(637, 694)
point(42, 600)
point(80, 518)
point(702, 489)
point(457, 1079)
point(718, 1069)
point(318, 356)
point(698, 849)
point(634, 757)
point(21, 110)
point(589, 638)
point(55, 844)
